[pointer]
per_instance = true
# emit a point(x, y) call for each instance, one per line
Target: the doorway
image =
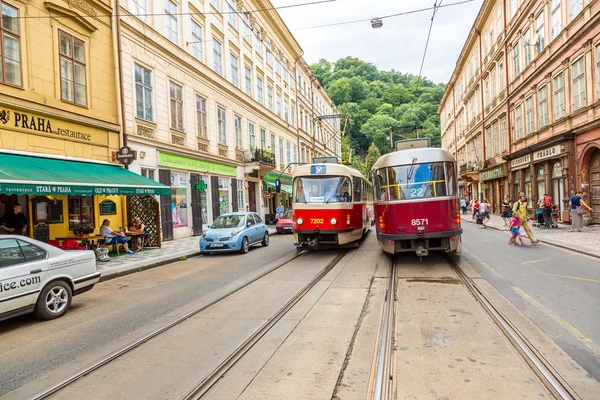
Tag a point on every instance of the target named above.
point(595, 186)
point(252, 196)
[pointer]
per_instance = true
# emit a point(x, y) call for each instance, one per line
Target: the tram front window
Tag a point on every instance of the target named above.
point(322, 190)
point(415, 181)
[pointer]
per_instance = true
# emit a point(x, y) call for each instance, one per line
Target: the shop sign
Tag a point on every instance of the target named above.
point(126, 156)
point(494, 173)
point(520, 161)
point(485, 186)
point(267, 195)
point(201, 186)
point(31, 122)
point(175, 161)
point(50, 189)
point(108, 207)
point(547, 153)
point(272, 177)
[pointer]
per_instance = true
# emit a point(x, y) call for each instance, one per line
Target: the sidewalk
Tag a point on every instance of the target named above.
point(171, 251)
point(585, 242)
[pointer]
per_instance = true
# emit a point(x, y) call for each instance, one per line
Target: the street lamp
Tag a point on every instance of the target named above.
point(376, 23)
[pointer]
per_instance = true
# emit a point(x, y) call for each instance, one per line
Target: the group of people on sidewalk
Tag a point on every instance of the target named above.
point(515, 215)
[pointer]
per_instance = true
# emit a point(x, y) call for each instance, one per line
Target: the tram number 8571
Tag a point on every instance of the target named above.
point(419, 221)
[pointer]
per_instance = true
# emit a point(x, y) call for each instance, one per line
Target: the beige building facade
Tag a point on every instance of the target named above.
point(536, 87)
point(217, 106)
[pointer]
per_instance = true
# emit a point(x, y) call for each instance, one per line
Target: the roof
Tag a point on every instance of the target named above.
point(418, 156)
point(329, 170)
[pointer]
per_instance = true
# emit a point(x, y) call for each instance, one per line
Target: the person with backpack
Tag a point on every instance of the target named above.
point(545, 204)
point(520, 211)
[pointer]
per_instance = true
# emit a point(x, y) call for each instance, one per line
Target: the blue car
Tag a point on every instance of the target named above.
point(234, 232)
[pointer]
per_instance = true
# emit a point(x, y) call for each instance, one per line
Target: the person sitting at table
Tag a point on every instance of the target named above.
point(113, 237)
point(138, 227)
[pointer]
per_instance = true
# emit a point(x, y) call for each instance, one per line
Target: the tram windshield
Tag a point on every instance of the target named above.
point(415, 181)
point(326, 189)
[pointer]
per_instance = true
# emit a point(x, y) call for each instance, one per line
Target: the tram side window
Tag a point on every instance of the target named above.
point(357, 189)
point(381, 185)
point(451, 179)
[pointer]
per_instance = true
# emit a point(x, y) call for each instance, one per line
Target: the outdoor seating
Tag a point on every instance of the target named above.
point(72, 244)
point(54, 243)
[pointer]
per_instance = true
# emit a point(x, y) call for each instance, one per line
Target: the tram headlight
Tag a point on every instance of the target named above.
point(333, 221)
point(299, 221)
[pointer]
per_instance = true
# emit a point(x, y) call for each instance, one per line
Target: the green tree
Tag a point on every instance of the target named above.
point(372, 157)
point(377, 128)
point(323, 71)
point(360, 166)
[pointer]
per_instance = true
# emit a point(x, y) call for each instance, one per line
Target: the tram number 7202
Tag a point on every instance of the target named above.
point(419, 222)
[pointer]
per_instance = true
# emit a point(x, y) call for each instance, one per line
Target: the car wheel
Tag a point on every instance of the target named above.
point(245, 246)
point(54, 301)
point(265, 241)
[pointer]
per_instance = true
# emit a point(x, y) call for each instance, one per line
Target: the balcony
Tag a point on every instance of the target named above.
point(463, 168)
point(259, 160)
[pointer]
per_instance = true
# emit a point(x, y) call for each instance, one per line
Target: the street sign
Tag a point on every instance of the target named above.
point(126, 156)
point(267, 195)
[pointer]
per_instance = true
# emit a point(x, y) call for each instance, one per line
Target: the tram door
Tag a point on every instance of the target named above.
point(595, 186)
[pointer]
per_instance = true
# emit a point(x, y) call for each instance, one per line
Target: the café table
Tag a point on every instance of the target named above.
point(134, 234)
point(90, 239)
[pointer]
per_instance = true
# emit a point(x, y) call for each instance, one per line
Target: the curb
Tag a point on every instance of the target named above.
point(116, 274)
point(548, 243)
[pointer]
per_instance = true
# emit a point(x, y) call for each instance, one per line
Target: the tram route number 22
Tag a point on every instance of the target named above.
point(419, 221)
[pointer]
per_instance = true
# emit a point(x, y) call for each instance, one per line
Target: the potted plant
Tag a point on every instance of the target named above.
point(84, 227)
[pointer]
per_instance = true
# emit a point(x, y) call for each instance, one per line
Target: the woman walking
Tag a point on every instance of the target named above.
point(506, 214)
point(484, 209)
point(578, 207)
point(475, 209)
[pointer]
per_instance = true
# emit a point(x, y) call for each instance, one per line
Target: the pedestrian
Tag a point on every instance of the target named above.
point(506, 213)
point(280, 210)
point(546, 206)
point(578, 207)
point(138, 227)
point(475, 209)
point(14, 222)
point(463, 205)
point(555, 216)
point(515, 232)
point(484, 209)
point(519, 210)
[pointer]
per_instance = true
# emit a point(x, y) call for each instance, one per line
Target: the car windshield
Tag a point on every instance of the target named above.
point(327, 189)
point(228, 221)
point(287, 215)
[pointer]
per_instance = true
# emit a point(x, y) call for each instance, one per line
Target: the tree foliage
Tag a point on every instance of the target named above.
point(372, 157)
point(377, 101)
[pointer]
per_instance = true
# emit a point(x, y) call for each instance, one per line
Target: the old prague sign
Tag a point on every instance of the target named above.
point(38, 124)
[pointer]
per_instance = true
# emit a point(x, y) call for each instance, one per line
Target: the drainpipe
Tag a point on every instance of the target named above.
point(120, 67)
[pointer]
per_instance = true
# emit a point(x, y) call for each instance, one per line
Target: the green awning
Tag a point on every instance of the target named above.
point(284, 188)
point(47, 176)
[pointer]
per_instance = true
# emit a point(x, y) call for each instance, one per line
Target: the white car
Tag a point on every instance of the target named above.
point(39, 278)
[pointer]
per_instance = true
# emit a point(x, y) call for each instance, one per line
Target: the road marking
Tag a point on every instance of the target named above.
point(570, 328)
point(575, 277)
point(482, 263)
point(485, 241)
point(536, 261)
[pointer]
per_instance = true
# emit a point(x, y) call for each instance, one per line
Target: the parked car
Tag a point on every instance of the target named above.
point(285, 224)
point(39, 278)
point(234, 232)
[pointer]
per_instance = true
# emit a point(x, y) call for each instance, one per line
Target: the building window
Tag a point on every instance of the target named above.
point(486, 93)
point(516, 61)
point(528, 187)
point(504, 137)
point(248, 77)
point(237, 123)
point(147, 173)
point(246, 20)
point(289, 152)
point(529, 115)
point(179, 199)
point(268, 53)
point(499, 24)
point(493, 84)
point(556, 18)
point(218, 57)
point(579, 84)
point(293, 114)
point(201, 117)
point(197, 41)
point(222, 123)
point(539, 30)
point(259, 90)
point(527, 47)
point(500, 77)
point(576, 7)
point(278, 104)
point(240, 195)
point(176, 96)
point(295, 153)
point(224, 188)
point(559, 96)
point(286, 111)
point(263, 139)
point(519, 122)
point(251, 136)
point(171, 21)
point(10, 43)
point(514, 5)
point(496, 141)
point(235, 74)
point(139, 8)
point(270, 98)
point(81, 209)
point(72, 69)
point(277, 64)
point(284, 72)
point(143, 93)
point(232, 16)
point(543, 106)
point(216, 4)
point(491, 35)
point(598, 69)
point(257, 42)
point(281, 160)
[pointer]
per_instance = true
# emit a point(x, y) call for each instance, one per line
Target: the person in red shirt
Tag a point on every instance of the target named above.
point(475, 209)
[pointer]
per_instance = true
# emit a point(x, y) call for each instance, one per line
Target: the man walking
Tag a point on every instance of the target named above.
point(520, 211)
point(14, 222)
point(546, 205)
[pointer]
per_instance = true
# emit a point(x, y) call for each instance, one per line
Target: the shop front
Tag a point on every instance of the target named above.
point(493, 186)
point(62, 197)
point(588, 156)
point(284, 195)
point(200, 191)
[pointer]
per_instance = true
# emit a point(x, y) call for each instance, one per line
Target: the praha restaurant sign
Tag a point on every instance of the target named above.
point(39, 124)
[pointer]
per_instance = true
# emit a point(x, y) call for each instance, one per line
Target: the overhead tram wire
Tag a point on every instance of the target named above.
point(384, 17)
point(435, 8)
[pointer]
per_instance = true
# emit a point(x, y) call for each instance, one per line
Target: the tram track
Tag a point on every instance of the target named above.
point(105, 360)
point(544, 371)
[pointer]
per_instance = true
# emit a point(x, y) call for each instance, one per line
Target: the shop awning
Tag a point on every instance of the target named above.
point(284, 188)
point(49, 176)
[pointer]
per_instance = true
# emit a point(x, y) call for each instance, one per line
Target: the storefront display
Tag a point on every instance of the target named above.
point(179, 200)
point(224, 202)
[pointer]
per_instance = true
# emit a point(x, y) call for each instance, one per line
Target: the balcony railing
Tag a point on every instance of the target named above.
point(261, 156)
point(463, 168)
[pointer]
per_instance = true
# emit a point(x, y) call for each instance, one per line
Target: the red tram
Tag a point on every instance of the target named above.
point(332, 205)
point(416, 200)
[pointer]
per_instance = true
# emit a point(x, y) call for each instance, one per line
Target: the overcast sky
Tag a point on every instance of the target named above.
point(399, 44)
